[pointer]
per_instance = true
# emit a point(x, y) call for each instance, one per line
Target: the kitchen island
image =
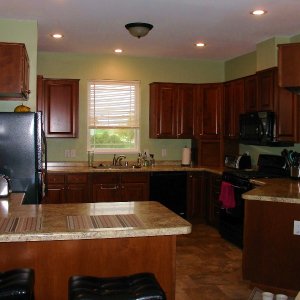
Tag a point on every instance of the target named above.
point(271, 250)
point(98, 239)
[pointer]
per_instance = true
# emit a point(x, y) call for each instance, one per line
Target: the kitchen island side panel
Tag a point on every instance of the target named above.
point(55, 261)
point(271, 250)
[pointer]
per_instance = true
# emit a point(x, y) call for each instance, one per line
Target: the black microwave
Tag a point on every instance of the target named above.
point(257, 128)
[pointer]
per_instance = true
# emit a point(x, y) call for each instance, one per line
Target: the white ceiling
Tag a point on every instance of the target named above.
point(97, 26)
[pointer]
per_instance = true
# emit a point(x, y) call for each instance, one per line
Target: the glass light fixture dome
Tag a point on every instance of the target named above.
point(138, 29)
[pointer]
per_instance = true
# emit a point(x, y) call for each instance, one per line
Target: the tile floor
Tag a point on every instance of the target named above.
point(208, 267)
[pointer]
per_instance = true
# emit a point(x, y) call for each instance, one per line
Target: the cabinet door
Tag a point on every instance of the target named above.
point(55, 194)
point(208, 111)
point(14, 75)
point(185, 110)
point(76, 193)
point(60, 98)
point(289, 65)
point(266, 89)
point(105, 187)
point(287, 115)
point(250, 93)
point(105, 192)
point(134, 186)
point(196, 192)
point(134, 191)
point(77, 190)
point(213, 205)
point(233, 107)
point(56, 188)
point(162, 115)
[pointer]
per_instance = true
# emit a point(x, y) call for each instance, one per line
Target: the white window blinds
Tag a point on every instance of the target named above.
point(113, 104)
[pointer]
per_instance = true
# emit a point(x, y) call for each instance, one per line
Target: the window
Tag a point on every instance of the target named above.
point(113, 116)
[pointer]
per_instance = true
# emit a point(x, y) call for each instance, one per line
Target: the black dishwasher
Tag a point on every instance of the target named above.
point(169, 188)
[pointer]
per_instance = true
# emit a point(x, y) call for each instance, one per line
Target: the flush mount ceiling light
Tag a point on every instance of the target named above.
point(258, 12)
point(138, 29)
point(57, 36)
point(118, 50)
point(200, 44)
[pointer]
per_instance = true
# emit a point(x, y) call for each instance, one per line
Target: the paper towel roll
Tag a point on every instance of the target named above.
point(186, 156)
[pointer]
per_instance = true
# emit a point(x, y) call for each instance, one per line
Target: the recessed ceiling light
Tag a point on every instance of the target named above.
point(200, 44)
point(118, 50)
point(258, 12)
point(57, 35)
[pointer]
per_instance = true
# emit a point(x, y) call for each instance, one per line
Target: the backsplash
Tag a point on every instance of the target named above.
point(254, 151)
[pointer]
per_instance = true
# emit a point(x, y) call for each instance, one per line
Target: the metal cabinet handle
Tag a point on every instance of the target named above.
point(108, 188)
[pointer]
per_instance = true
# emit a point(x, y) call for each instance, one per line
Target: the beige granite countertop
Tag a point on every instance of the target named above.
point(155, 218)
point(275, 190)
point(83, 168)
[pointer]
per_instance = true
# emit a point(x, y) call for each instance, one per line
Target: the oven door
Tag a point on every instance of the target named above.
point(232, 219)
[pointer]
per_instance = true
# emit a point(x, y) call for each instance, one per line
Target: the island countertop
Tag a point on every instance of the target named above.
point(52, 221)
point(275, 190)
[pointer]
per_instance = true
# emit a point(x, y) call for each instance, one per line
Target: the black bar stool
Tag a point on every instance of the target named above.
point(141, 286)
point(17, 284)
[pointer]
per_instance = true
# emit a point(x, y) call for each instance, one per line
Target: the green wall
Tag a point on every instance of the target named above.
point(86, 67)
point(147, 70)
point(19, 31)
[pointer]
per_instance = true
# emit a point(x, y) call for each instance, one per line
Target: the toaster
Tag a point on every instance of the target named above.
point(238, 161)
point(4, 186)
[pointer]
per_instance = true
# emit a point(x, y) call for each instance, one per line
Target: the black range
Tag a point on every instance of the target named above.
point(232, 219)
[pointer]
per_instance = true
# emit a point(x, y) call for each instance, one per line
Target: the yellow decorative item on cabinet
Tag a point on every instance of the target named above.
point(22, 108)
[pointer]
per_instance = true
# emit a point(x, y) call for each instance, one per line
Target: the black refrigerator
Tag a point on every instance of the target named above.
point(23, 153)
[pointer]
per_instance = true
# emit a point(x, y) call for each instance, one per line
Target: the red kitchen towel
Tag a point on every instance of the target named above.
point(227, 195)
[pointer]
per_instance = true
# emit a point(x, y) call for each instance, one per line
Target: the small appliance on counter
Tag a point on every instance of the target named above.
point(238, 161)
point(5, 189)
point(186, 157)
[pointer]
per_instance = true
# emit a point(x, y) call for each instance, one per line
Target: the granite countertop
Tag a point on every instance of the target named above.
point(50, 221)
point(275, 190)
point(83, 168)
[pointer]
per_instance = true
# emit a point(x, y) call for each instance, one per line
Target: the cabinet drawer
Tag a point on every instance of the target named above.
point(54, 178)
point(134, 177)
point(106, 178)
point(77, 178)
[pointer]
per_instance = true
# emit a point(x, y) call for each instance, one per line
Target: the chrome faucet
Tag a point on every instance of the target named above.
point(117, 161)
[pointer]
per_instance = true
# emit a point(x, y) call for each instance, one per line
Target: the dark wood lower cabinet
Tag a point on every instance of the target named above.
point(67, 188)
point(271, 251)
point(196, 195)
point(202, 191)
point(112, 187)
point(213, 204)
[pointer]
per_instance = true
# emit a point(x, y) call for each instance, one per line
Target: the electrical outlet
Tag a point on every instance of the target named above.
point(163, 152)
point(73, 152)
point(67, 153)
point(296, 227)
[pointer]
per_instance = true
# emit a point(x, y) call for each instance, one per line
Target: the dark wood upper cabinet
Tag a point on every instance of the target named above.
point(233, 107)
point(266, 89)
point(14, 75)
point(171, 110)
point(289, 65)
point(185, 112)
point(58, 100)
point(208, 111)
point(250, 93)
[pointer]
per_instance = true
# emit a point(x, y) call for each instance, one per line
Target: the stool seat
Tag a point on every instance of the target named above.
point(17, 284)
point(141, 286)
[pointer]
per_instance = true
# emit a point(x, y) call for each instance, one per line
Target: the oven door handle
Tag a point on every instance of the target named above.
point(240, 188)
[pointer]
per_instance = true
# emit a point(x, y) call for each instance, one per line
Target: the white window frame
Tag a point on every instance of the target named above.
point(137, 110)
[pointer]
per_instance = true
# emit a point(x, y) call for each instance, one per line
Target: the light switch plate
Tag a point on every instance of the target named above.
point(296, 227)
